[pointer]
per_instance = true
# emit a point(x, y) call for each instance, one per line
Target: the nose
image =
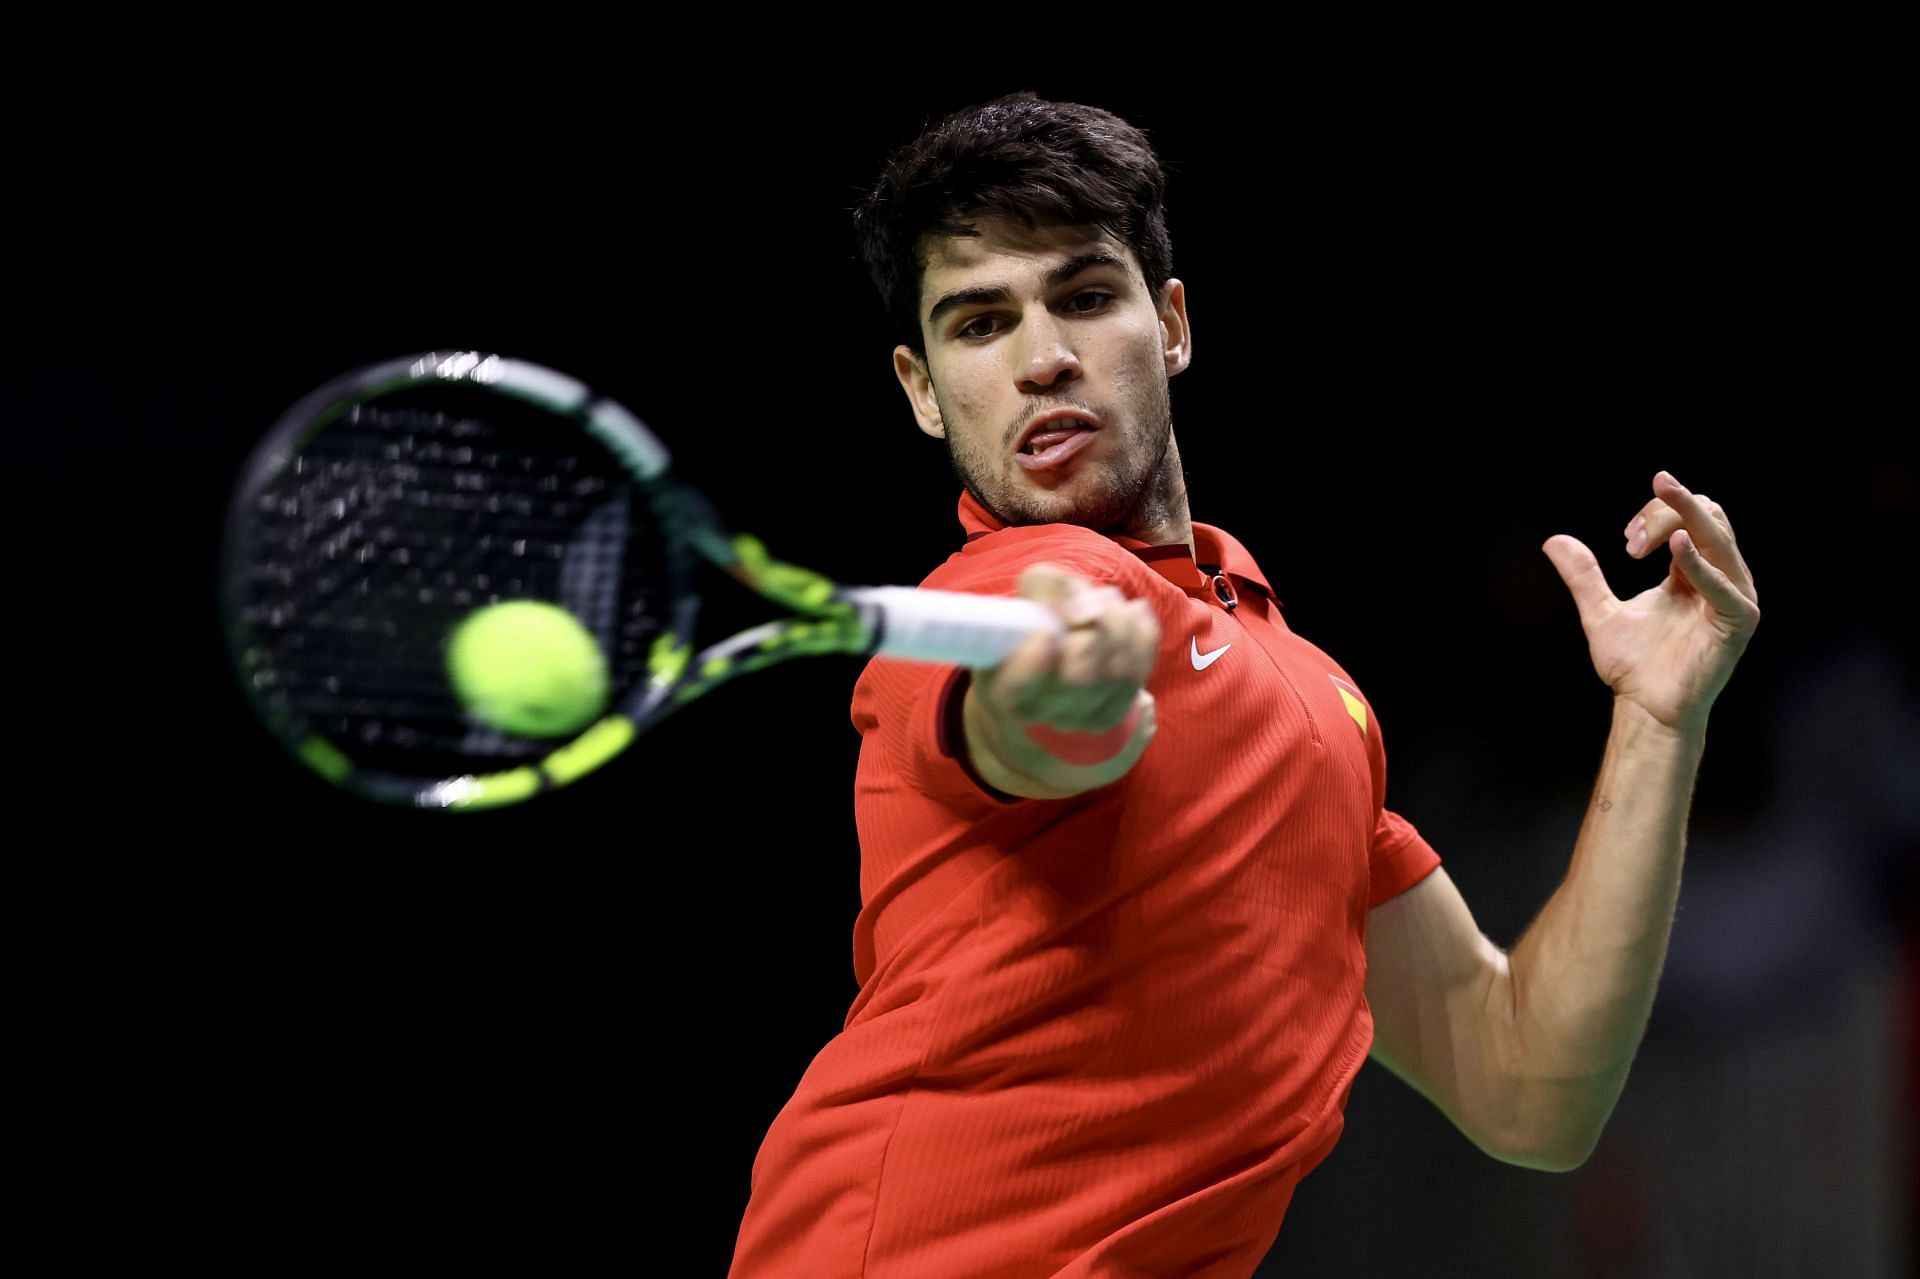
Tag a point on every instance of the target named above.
point(1047, 357)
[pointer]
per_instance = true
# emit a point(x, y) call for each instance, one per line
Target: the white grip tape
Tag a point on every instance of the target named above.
point(953, 626)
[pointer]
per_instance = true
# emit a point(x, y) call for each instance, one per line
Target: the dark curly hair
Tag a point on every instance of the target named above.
point(1018, 157)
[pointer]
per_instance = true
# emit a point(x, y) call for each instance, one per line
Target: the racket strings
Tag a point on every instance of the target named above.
point(397, 520)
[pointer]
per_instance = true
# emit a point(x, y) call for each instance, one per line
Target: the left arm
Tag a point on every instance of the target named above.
point(1527, 1052)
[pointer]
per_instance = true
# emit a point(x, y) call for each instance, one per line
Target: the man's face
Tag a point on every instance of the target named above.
point(1021, 326)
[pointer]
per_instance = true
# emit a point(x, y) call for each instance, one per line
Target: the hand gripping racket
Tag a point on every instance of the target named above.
point(392, 503)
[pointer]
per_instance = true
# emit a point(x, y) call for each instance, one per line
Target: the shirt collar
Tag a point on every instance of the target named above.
point(1172, 561)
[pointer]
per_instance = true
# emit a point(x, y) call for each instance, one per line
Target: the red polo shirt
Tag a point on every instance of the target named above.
point(1104, 1035)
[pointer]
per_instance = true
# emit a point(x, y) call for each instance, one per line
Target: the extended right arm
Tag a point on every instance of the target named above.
point(1066, 713)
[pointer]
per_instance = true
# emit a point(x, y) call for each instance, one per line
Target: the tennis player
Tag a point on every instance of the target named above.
point(1135, 907)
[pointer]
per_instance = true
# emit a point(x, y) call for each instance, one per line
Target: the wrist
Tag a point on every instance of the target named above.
point(1002, 756)
point(1637, 723)
point(1020, 757)
point(1082, 749)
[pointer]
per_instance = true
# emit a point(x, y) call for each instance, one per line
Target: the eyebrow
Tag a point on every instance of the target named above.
point(986, 293)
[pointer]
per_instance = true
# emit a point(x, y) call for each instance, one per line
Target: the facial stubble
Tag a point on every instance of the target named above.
point(1142, 496)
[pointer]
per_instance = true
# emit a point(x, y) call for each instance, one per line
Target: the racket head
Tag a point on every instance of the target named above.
point(386, 506)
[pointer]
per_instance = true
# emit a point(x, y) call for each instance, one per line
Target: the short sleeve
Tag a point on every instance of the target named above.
point(943, 764)
point(1400, 858)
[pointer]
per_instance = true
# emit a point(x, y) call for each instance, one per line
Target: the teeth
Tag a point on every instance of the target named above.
point(1058, 424)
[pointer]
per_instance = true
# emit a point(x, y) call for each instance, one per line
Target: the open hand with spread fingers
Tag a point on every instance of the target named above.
point(1670, 649)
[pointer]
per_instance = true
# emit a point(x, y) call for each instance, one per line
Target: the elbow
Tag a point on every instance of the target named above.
point(1547, 1115)
point(1549, 1128)
point(1550, 1158)
point(1547, 1148)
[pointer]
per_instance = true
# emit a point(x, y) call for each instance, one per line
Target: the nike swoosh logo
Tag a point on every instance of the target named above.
point(1203, 660)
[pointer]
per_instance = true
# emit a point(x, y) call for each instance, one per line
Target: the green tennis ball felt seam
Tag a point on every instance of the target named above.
point(527, 667)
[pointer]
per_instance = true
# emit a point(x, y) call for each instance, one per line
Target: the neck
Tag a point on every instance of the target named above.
point(1162, 518)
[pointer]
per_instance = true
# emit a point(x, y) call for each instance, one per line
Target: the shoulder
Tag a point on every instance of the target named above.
point(992, 563)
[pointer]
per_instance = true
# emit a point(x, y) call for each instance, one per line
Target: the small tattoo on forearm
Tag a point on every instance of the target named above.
point(1606, 805)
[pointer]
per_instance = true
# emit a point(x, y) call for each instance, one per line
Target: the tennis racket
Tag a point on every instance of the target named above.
point(388, 505)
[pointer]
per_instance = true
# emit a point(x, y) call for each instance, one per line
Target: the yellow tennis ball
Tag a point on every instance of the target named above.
point(528, 668)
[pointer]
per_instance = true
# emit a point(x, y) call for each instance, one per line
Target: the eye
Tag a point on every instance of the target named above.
point(1088, 302)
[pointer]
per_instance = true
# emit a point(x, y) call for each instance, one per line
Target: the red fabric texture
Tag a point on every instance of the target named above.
point(1105, 1035)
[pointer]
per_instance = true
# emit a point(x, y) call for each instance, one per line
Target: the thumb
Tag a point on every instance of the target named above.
point(1581, 572)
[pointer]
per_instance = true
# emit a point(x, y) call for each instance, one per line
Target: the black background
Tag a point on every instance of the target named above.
point(1452, 291)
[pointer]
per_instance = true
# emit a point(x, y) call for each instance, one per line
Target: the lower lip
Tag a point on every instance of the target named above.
point(1058, 454)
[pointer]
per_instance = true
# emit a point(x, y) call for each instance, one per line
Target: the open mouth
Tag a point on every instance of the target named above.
point(1053, 440)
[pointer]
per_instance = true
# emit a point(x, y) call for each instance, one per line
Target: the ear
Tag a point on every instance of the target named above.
point(918, 384)
point(1176, 337)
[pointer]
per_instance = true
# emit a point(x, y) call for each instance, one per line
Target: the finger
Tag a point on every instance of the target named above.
point(1123, 659)
point(1083, 694)
point(1039, 700)
point(1655, 522)
point(1130, 660)
point(1116, 627)
point(1649, 530)
point(1112, 629)
point(1146, 641)
point(1736, 567)
point(1003, 686)
point(1092, 709)
point(1112, 707)
point(1123, 633)
point(1088, 604)
point(1081, 656)
point(1694, 511)
point(1714, 585)
point(1709, 528)
point(1734, 564)
point(1143, 731)
point(1080, 708)
point(1650, 527)
point(1581, 572)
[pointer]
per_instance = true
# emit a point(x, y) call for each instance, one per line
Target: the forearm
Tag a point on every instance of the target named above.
point(1574, 1000)
point(1527, 1050)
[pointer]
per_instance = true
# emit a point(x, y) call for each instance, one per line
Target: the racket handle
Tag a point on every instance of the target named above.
point(950, 627)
